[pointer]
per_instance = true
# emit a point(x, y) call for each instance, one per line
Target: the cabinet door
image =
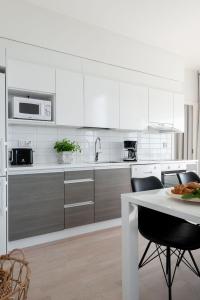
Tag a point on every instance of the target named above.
point(160, 106)
point(109, 185)
point(2, 125)
point(101, 102)
point(179, 112)
point(30, 77)
point(36, 204)
point(69, 98)
point(133, 107)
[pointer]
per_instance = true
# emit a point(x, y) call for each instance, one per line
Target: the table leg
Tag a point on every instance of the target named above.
point(130, 276)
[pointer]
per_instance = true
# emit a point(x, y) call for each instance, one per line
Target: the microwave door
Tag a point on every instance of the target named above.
point(29, 110)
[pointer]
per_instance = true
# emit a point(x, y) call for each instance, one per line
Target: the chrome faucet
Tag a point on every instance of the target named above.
point(98, 140)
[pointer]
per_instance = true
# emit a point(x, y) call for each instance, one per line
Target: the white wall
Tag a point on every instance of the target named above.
point(190, 86)
point(150, 146)
point(27, 23)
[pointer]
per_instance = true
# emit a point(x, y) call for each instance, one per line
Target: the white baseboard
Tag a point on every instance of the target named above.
point(63, 234)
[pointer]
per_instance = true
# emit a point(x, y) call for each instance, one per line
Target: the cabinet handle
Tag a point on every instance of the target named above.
point(78, 180)
point(78, 204)
point(148, 172)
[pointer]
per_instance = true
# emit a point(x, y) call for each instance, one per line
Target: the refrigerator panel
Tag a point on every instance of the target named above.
point(2, 126)
point(3, 216)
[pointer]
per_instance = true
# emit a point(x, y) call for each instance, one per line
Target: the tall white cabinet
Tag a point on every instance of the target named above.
point(101, 102)
point(160, 106)
point(133, 107)
point(69, 98)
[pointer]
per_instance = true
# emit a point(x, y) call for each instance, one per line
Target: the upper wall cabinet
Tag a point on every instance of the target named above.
point(69, 98)
point(179, 112)
point(133, 107)
point(160, 107)
point(30, 77)
point(101, 102)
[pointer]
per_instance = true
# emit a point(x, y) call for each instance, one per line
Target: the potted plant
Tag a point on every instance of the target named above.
point(65, 149)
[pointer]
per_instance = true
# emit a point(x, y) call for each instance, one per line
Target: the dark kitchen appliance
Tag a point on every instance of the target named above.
point(130, 151)
point(21, 156)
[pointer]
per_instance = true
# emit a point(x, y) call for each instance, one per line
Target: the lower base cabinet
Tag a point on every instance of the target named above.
point(109, 185)
point(79, 198)
point(35, 204)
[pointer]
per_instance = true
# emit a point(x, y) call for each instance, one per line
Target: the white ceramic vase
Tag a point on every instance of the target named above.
point(65, 157)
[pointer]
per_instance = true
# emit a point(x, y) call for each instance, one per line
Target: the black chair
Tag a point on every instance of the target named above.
point(184, 178)
point(174, 234)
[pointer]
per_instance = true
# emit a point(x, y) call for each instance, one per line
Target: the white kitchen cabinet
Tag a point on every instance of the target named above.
point(30, 77)
point(69, 98)
point(160, 107)
point(101, 98)
point(133, 107)
point(179, 112)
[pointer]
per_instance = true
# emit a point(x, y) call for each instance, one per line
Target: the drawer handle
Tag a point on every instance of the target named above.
point(148, 172)
point(78, 180)
point(78, 204)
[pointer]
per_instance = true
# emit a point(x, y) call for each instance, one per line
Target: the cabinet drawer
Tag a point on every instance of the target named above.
point(76, 192)
point(77, 175)
point(79, 215)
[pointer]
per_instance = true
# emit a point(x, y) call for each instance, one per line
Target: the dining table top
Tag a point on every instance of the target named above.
point(161, 200)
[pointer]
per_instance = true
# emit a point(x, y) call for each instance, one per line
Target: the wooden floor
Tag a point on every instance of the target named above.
point(89, 268)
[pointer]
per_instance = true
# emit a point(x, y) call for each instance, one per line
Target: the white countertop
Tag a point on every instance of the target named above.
point(45, 168)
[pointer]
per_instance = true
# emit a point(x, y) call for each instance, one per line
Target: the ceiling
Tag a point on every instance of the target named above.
point(173, 25)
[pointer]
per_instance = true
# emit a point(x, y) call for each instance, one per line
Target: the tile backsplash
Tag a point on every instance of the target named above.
point(157, 146)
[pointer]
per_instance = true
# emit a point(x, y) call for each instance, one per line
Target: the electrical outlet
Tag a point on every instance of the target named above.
point(24, 143)
point(164, 145)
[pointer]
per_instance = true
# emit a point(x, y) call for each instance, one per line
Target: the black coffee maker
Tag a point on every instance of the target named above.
point(130, 151)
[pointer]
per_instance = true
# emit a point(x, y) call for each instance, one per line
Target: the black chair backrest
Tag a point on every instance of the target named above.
point(145, 184)
point(146, 215)
point(188, 177)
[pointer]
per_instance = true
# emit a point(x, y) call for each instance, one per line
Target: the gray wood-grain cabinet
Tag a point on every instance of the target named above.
point(36, 204)
point(79, 198)
point(109, 185)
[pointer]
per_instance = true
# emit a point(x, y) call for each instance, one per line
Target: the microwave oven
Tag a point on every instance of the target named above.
point(28, 108)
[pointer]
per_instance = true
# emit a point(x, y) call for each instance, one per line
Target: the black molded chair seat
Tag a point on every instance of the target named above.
point(188, 177)
point(175, 234)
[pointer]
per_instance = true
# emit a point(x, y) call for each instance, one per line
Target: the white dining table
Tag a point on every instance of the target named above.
point(158, 200)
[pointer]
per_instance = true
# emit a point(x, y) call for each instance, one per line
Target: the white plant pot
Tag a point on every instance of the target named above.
point(65, 157)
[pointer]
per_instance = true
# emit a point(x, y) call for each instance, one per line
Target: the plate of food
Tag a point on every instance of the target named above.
point(186, 192)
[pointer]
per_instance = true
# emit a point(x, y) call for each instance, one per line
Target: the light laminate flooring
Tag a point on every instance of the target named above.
point(88, 267)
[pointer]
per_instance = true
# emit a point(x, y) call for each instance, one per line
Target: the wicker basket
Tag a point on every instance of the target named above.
point(14, 276)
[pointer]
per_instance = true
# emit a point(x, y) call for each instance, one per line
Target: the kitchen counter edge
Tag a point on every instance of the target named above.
point(52, 168)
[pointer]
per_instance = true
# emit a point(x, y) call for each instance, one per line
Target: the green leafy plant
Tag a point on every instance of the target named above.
point(67, 145)
point(194, 194)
